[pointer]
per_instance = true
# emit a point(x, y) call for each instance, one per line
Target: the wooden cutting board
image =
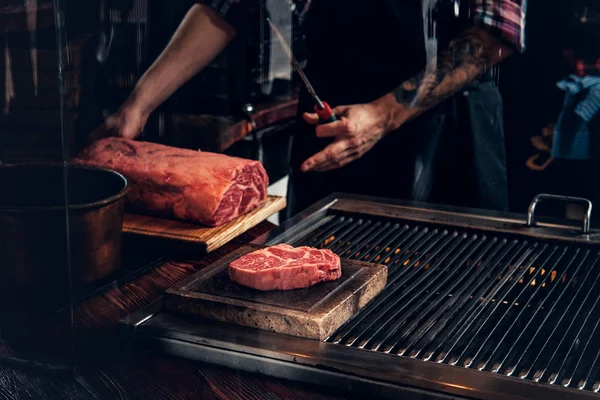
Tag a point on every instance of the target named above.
point(205, 238)
point(314, 313)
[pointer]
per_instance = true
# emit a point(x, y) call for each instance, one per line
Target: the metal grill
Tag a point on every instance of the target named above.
point(501, 304)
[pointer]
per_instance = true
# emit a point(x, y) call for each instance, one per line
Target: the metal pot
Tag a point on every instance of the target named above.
point(33, 226)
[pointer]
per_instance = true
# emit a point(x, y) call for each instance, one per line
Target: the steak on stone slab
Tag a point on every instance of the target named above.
point(283, 267)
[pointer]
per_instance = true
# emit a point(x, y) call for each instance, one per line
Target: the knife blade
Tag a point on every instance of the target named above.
point(322, 109)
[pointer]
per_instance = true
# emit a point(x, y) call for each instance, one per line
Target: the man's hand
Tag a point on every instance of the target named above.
point(358, 128)
point(200, 37)
point(361, 126)
point(127, 123)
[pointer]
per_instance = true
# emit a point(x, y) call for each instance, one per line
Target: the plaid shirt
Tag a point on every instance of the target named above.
point(504, 18)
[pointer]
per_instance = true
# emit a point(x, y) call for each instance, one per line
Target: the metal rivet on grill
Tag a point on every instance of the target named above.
point(496, 367)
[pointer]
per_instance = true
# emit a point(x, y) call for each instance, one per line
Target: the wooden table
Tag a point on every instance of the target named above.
point(130, 375)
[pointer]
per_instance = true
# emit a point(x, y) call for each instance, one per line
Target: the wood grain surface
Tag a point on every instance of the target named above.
point(151, 378)
point(205, 239)
point(111, 371)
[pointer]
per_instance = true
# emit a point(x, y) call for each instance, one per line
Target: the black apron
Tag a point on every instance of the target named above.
point(453, 154)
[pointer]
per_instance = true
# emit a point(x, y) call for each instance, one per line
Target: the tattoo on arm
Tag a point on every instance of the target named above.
point(466, 58)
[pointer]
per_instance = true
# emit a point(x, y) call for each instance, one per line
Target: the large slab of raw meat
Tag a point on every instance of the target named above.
point(284, 267)
point(202, 187)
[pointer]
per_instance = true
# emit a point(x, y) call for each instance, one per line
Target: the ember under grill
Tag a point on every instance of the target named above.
point(476, 305)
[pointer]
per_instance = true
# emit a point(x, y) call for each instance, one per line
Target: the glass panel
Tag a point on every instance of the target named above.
point(453, 102)
point(36, 119)
point(468, 103)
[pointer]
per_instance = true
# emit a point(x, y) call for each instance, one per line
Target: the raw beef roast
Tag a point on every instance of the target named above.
point(283, 267)
point(202, 187)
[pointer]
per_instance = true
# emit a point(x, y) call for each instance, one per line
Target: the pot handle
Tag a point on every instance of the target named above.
point(587, 215)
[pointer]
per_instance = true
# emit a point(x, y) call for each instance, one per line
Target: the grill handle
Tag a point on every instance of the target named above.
point(573, 200)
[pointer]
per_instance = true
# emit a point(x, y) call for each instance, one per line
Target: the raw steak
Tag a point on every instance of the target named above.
point(201, 187)
point(283, 267)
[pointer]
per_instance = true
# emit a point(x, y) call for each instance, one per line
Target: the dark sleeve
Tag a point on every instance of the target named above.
point(240, 14)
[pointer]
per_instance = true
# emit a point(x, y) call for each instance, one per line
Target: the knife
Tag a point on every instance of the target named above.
point(322, 109)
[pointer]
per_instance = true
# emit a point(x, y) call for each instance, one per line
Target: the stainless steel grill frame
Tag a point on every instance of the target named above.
point(478, 304)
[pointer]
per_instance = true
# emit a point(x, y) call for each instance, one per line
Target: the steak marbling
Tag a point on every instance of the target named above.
point(202, 187)
point(283, 267)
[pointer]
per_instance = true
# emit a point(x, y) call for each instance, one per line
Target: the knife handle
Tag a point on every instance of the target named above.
point(325, 114)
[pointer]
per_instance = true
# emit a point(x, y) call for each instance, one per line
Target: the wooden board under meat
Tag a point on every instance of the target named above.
point(204, 239)
point(314, 312)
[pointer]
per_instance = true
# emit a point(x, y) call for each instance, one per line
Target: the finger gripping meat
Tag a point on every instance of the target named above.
point(201, 187)
point(283, 267)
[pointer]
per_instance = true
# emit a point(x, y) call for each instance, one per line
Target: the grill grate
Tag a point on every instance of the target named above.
point(506, 305)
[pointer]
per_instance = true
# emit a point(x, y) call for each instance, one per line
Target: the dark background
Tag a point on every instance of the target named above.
point(532, 100)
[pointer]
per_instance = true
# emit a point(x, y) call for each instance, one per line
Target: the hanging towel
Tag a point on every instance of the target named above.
point(582, 102)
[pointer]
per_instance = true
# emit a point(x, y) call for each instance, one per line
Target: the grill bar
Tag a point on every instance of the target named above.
point(417, 330)
point(362, 240)
point(522, 312)
point(410, 294)
point(329, 230)
point(471, 300)
point(472, 318)
point(571, 376)
point(372, 311)
point(399, 303)
point(386, 250)
point(520, 299)
point(342, 234)
point(464, 298)
point(421, 299)
point(529, 369)
point(401, 336)
point(515, 350)
point(546, 375)
point(416, 236)
point(589, 383)
point(460, 321)
point(349, 237)
point(359, 236)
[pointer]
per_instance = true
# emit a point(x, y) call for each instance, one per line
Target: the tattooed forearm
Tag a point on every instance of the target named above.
point(466, 58)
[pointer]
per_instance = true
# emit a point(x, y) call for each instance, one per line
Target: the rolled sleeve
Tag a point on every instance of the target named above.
point(240, 14)
point(504, 18)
